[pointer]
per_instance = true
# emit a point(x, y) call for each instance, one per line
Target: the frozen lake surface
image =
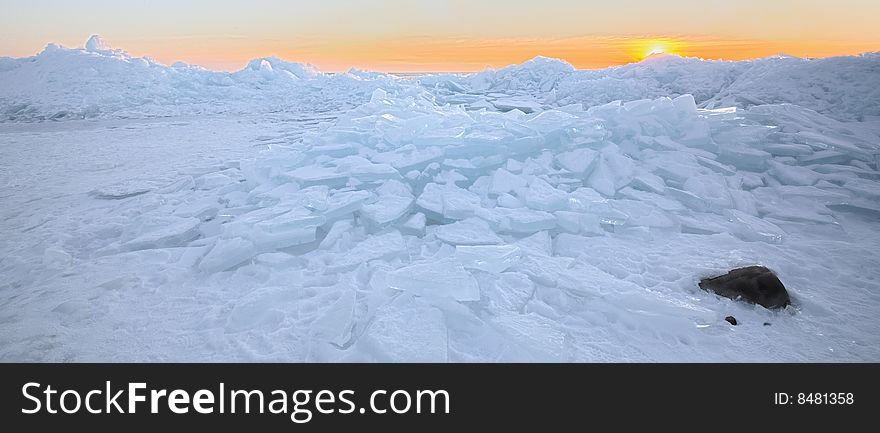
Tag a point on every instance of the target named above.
point(534, 213)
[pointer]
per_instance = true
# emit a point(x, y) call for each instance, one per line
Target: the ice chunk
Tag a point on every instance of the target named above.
point(504, 181)
point(613, 171)
point(343, 203)
point(459, 203)
point(579, 161)
point(470, 231)
point(511, 291)
point(384, 245)
point(864, 187)
point(541, 195)
point(122, 190)
point(519, 220)
point(688, 199)
point(318, 175)
point(435, 278)
point(744, 158)
point(509, 201)
point(448, 201)
point(97, 44)
point(213, 180)
point(227, 253)
point(335, 324)
point(523, 103)
point(299, 218)
point(710, 188)
point(579, 223)
point(649, 182)
point(788, 149)
point(793, 175)
point(165, 233)
point(685, 104)
point(750, 228)
point(379, 95)
point(395, 201)
point(489, 258)
point(415, 225)
point(431, 200)
point(825, 157)
point(716, 166)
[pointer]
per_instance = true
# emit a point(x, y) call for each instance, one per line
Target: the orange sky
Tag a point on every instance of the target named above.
point(415, 54)
point(442, 35)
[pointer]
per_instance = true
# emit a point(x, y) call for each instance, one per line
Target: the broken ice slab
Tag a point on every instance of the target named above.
point(688, 199)
point(801, 209)
point(519, 220)
point(447, 202)
point(649, 182)
point(299, 218)
point(470, 231)
point(227, 253)
point(459, 203)
point(716, 166)
point(489, 258)
point(318, 175)
point(540, 195)
point(365, 170)
point(704, 224)
point(503, 181)
point(744, 158)
point(579, 223)
point(387, 209)
point(792, 174)
point(384, 245)
point(751, 228)
point(166, 233)
point(510, 291)
point(395, 201)
point(335, 324)
point(579, 161)
point(436, 278)
point(343, 203)
point(214, 180)
point(509, 201)
point(336, 150)
point(784, 149)
point(712, 189)
point(415, 225)
point(612, 172)
point(525, 104)
point(584, 199)
point(409, 157)
point(122, 190)
point(863, 187)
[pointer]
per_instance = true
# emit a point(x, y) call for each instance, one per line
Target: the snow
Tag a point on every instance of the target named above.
point(533, 213)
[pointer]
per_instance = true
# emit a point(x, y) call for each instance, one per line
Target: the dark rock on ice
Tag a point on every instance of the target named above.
point(753, 284)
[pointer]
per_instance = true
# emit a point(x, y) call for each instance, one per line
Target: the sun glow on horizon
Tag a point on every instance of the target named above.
point(640, 49)
point(655, 50)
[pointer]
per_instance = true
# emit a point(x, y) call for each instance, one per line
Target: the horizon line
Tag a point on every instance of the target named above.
point(629, 50)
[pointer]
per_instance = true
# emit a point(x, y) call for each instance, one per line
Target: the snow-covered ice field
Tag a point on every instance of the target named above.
point(533, 213)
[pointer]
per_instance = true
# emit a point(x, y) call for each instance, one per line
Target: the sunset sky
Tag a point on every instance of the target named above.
point(437, 35)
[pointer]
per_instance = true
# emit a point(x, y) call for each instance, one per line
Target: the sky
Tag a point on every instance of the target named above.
point(443, 35)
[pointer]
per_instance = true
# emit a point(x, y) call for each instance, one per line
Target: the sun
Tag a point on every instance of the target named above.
point(640, 49)
point(657, 49)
